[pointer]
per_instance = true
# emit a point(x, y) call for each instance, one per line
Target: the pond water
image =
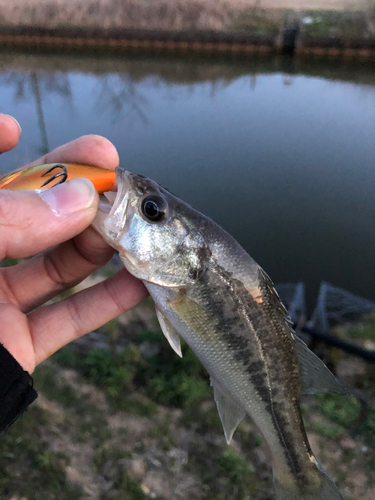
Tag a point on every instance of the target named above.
point(281, 153)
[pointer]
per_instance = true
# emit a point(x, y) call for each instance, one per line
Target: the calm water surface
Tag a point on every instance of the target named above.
point(280, 153)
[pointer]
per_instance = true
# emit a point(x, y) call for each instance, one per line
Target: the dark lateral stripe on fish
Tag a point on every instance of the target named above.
point(238, 328)
point(242, 351)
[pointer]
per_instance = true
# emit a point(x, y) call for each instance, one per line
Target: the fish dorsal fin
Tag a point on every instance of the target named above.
point(230, 412)
point(170, 332)
point(315, 376)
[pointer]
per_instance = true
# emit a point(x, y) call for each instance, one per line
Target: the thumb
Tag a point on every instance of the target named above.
point(31, 221)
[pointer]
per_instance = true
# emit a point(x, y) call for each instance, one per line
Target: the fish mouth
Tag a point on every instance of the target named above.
point(111, 216)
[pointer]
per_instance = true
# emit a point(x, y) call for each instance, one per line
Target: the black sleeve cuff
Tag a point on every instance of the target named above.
point(16, 389)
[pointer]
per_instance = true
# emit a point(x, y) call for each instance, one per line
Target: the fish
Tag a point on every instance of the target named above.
point(209, 291)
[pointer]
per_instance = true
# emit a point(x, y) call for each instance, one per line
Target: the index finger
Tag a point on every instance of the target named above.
point(92, 150)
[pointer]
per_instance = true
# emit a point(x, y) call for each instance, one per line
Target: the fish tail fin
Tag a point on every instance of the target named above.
point(319, 487)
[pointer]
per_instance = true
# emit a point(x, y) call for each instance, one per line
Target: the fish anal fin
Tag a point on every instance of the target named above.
point(170, 332)
point(230, 412)
point(315, 376)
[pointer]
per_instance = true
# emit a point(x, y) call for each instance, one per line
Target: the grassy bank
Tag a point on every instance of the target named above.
point(131, 14)
point(121, 416)
point(263, 16)
point(232, 27)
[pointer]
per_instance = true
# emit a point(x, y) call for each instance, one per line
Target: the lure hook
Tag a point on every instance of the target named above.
point(63, 175)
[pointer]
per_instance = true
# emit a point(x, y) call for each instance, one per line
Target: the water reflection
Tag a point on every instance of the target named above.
point(35, 86)
point(279, 152)
point(119, 94)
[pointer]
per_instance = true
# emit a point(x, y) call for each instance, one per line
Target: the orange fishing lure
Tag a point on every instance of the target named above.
point(45, 176)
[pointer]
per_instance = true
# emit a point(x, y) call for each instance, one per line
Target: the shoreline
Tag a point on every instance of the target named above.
point(334, 28)
point(288, 41)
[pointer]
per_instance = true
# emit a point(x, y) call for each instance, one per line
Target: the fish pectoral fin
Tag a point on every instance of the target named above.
point(316, 377)
point(230, 412)
point(170, 332)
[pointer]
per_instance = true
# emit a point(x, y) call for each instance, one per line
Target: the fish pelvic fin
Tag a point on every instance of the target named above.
point(230, 412)
point(170, 332)
point(317, 486)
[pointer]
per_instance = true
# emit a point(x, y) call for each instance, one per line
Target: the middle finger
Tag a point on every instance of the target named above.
point(44, 276)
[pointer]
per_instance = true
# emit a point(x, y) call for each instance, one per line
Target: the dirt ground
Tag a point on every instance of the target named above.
point(81, 440)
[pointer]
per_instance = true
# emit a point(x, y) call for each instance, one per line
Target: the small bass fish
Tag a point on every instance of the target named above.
point(209, 291)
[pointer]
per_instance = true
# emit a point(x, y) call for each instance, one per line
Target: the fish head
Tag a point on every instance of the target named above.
point(153, 231)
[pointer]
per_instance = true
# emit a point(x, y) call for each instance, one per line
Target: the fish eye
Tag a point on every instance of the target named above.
point(153, 208)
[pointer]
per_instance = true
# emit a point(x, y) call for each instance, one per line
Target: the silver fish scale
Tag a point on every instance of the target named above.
point(216, 317)
point(220, 301)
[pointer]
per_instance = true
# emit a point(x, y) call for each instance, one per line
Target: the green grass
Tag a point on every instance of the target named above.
point(226, 475)
point(48, 381)
point(28, 467)
point(342, 410)
point(333, 415)
point(337, 416)
point(81, 418)
point(127, 488)
point(256, 21)
point(113, 373)
point(180, 389)
point(164, 378)
point(137, 404)
point(327, 430)
point(365, 330)
point(171, 380)
point(328, 23)
point(369, 425)
point(236, 469)
point(106, 370)
point(137, 383)
point(108, 454)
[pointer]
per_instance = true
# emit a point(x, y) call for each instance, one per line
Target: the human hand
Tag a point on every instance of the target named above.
point(56, 222)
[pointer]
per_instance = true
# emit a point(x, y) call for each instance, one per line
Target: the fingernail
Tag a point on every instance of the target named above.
point(12, 117)
point(19, 126)
point(69, 197)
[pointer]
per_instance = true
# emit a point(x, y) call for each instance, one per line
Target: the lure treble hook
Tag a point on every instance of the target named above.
point(63, 175)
